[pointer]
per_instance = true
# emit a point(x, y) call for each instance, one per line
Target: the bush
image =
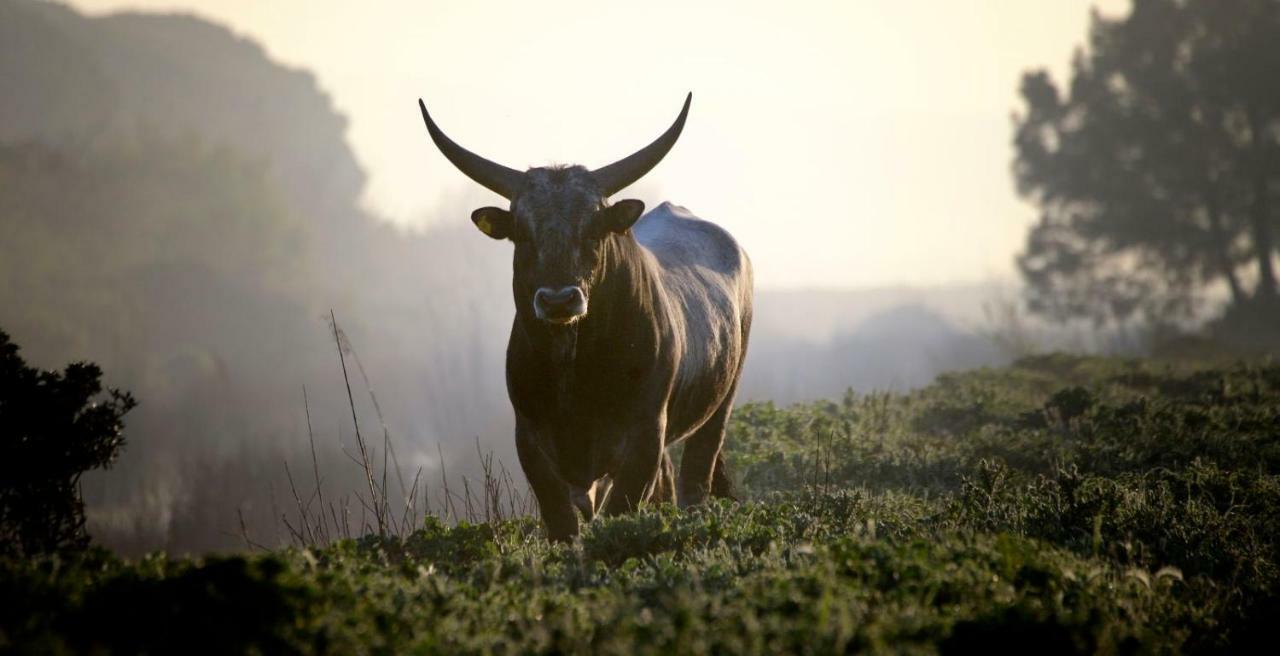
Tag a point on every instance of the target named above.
point(53, 428)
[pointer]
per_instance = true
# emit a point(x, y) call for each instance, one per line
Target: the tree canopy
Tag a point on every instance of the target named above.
point(1156, 170)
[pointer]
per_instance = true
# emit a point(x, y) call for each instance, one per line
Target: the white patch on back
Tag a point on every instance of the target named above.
point(703, 270)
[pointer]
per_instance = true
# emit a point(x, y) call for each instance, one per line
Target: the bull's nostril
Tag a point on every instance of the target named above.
point(561, 297)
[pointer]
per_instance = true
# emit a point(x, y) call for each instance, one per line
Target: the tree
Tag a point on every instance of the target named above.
point(53, 428)
point(1157, 171)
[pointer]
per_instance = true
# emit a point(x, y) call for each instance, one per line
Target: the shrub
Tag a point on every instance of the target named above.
point(53, 428)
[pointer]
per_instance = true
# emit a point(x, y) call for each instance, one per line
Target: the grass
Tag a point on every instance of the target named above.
point(1065, 504)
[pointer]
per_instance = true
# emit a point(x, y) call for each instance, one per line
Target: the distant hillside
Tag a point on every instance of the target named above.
point(816, 344)
point(74, 80)
point(823, 314)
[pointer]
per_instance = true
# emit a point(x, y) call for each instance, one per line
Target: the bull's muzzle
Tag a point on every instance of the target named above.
point(560, 306)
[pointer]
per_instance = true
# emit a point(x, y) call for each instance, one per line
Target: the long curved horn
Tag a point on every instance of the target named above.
point(496, 177)
point(620, 174)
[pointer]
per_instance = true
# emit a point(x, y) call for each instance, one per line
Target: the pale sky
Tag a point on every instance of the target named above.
point(846, 144)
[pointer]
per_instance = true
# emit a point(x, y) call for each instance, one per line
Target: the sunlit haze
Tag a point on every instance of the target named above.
point(844, 143)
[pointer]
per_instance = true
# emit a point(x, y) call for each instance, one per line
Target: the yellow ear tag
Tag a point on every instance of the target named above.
point(483, 223)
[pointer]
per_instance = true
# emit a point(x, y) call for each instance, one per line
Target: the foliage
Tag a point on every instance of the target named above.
point(53, 428)
point(1065, 504)
point(1156, 168)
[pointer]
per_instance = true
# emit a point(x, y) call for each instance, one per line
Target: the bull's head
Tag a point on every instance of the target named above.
point(560, 219)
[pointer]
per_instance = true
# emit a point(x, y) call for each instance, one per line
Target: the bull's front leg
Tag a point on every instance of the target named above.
point(638, 471)
point(554, 501)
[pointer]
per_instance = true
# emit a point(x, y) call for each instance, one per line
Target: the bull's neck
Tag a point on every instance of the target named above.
point(624, 297)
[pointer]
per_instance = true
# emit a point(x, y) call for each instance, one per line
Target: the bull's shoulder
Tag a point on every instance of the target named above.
point(678, 238)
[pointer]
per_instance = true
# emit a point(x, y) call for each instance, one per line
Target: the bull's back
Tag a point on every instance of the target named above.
point(707, 280)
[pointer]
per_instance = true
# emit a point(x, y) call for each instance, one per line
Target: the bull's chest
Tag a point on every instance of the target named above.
point(584, 426)
point(584, 399)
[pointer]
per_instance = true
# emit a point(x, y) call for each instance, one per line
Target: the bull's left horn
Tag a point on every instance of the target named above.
point(620, 174)
point(496, 177)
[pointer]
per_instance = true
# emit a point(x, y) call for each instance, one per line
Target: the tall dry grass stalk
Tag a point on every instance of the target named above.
point(496, 497)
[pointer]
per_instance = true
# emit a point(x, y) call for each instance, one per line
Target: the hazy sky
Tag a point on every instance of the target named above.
point(855, 143)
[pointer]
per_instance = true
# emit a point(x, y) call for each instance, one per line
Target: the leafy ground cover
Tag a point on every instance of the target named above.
point(1062, 505)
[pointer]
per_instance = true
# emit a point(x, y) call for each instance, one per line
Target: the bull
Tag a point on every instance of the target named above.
point(629, 334)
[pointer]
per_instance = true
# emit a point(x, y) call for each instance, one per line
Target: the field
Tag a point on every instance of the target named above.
point(1062, 505)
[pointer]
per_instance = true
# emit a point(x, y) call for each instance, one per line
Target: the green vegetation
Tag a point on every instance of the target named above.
point(1063, 504)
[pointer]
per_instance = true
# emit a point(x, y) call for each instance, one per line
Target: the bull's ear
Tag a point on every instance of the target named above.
point(495, 222)
point(620, 216)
